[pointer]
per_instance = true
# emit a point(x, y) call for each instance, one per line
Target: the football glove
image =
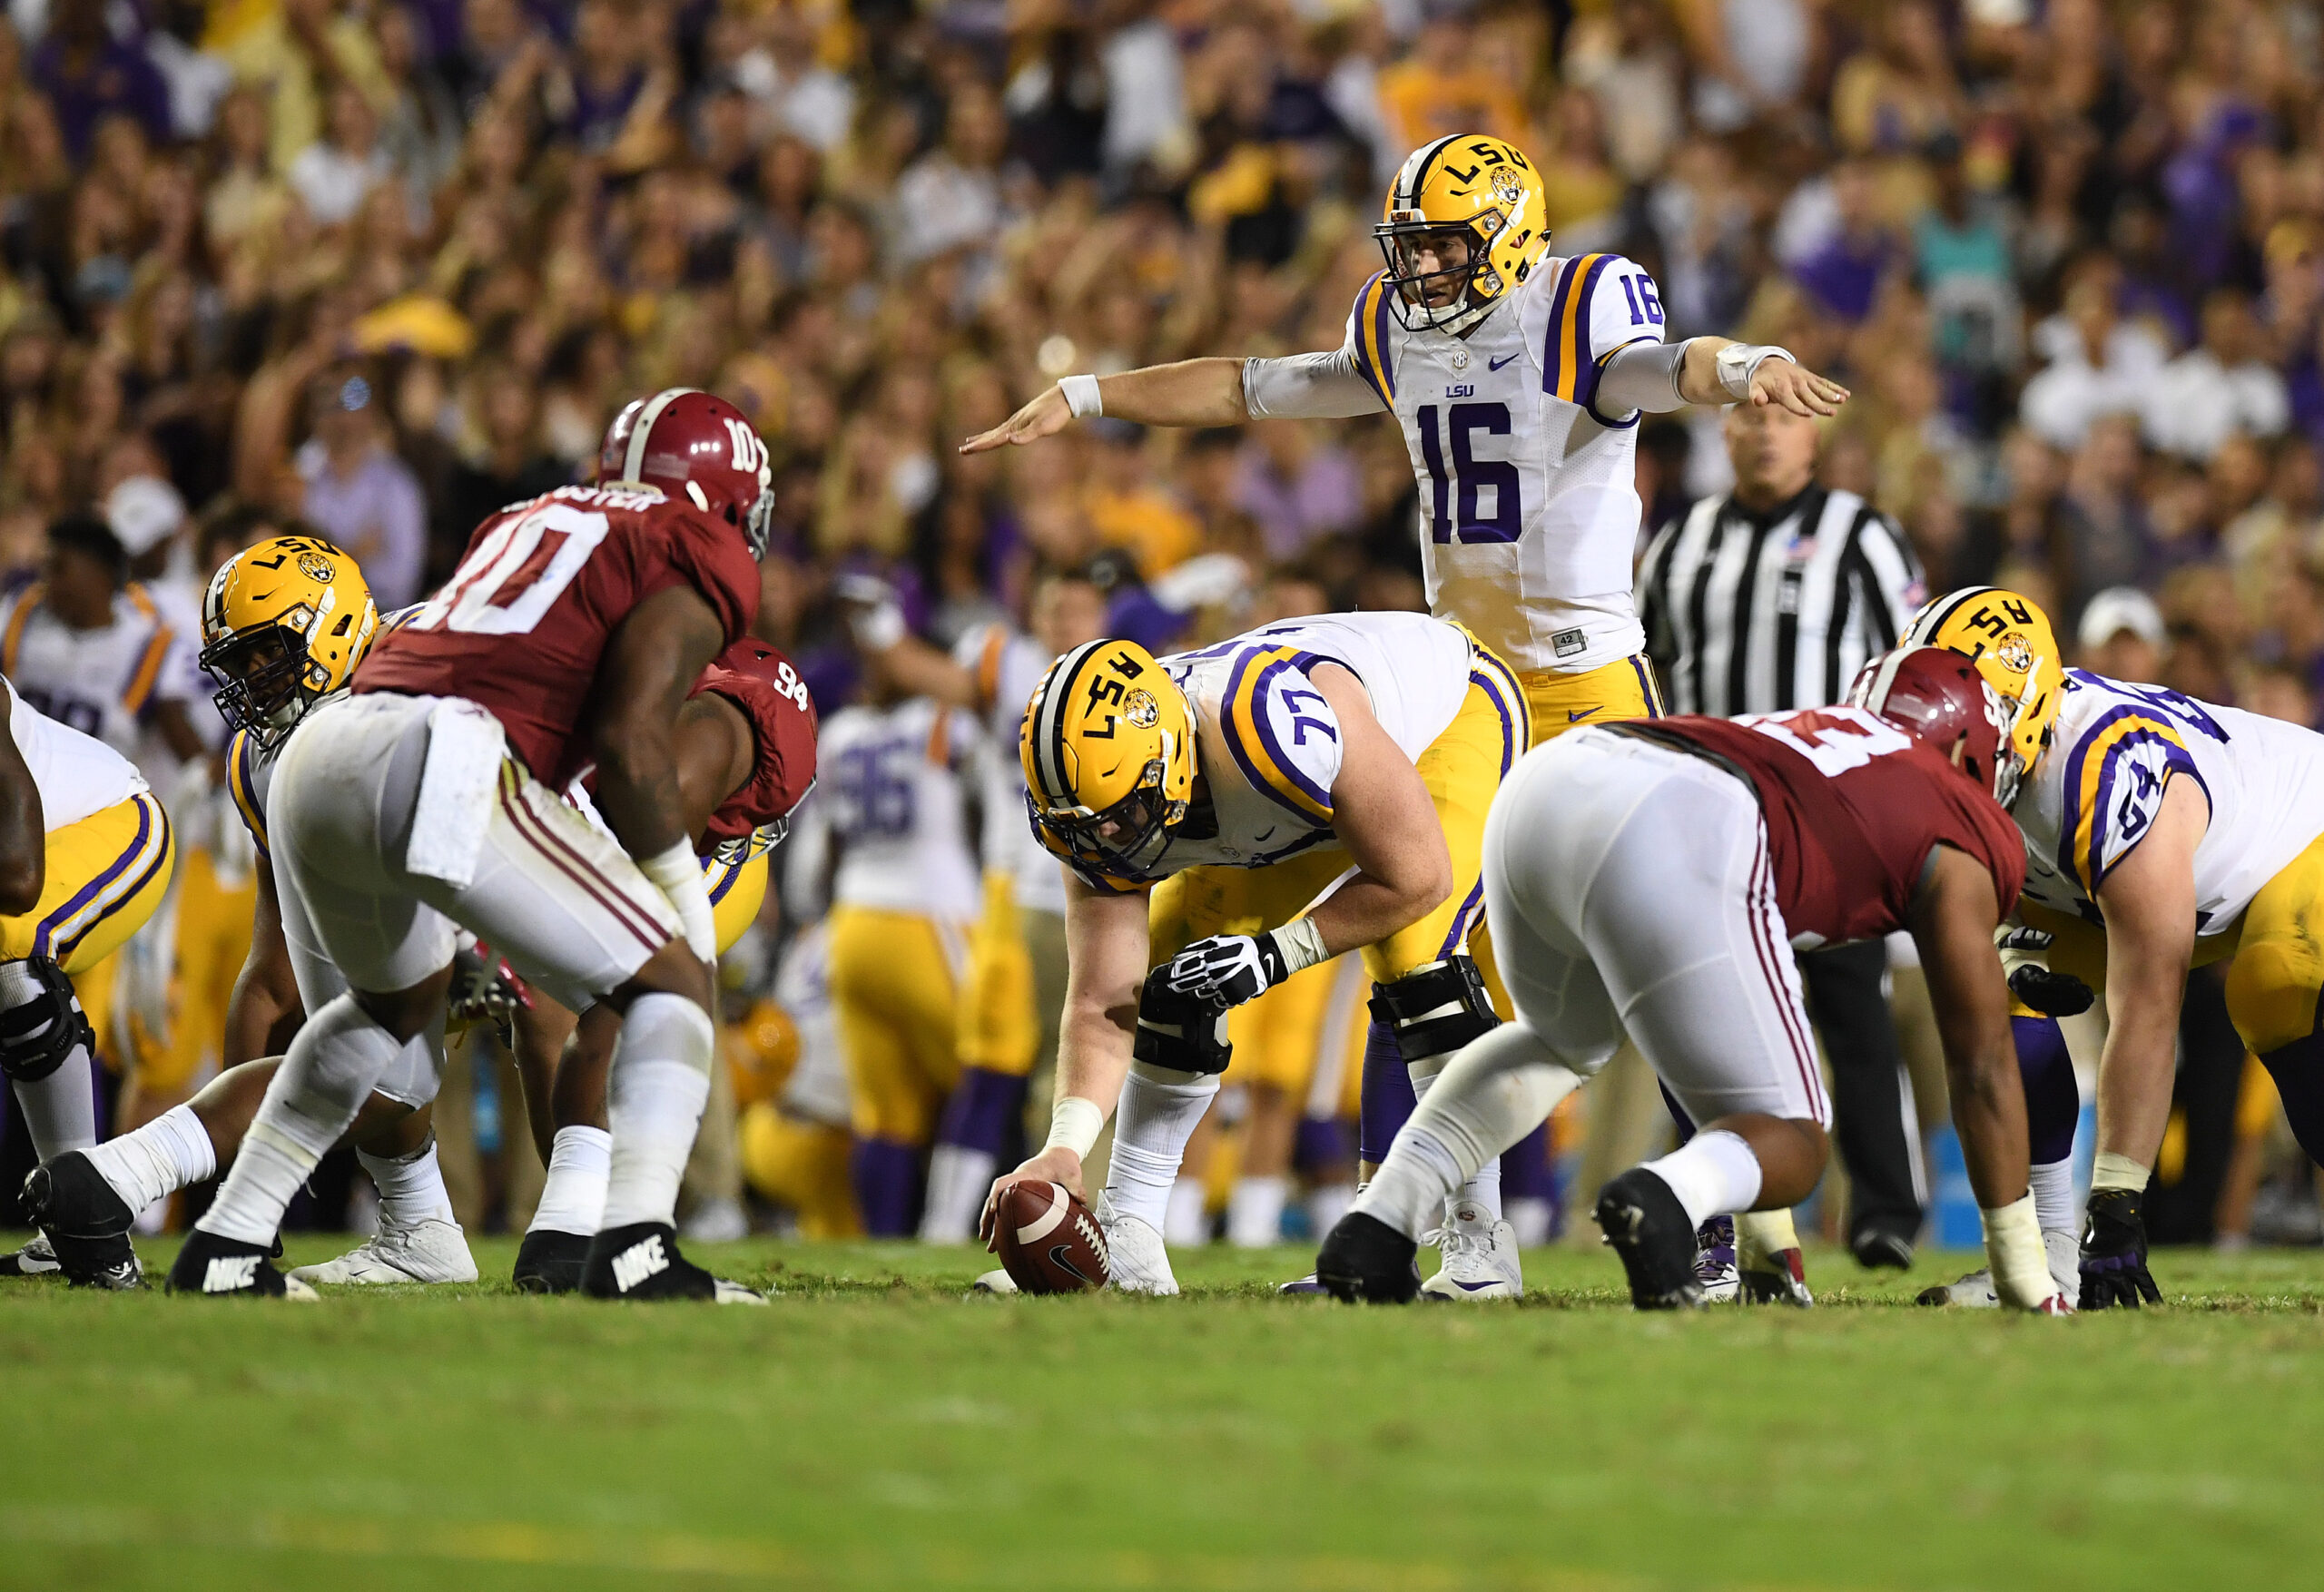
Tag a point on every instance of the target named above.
point(2113, 1253)
point(485, 990)
point(1226, 969)
point(2053, 994)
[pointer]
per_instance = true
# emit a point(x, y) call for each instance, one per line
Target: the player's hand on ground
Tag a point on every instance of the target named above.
point(1795, 388)
point(2113, 1253)
point(1055, 1164)
point(1045, 416)
point(1226, 969)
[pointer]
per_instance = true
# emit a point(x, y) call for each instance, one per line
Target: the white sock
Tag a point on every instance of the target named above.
point(1185, 1219)
point(1158, 1113)
point(1255, 1212)
point(958, 1180)
point(333, 1063)
point(1712, 1174)
point(2054, 1197)
point(157, 1160)
point(655, 1094)
point(411, 1187)
point(573, 1194)
point(1484, 1186)
point(1491, 1094)
point(60, 1110)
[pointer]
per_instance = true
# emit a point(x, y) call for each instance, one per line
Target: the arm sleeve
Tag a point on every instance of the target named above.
point(1640, 376)
point(1358, 378)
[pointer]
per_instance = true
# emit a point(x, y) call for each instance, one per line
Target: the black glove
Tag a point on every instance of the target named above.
point(1226, 969)
point(2053, 994)
point(2113, 1253)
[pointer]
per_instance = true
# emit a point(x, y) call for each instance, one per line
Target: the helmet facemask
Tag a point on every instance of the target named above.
point(267, 678)
point(1128, 839)
point(1475, 286)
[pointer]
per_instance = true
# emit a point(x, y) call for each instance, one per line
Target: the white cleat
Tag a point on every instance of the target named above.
point(297, 1292)
point(726, 1293)
point(1479, 1255)
point(427, 1251)
point(37, 1259)
point(995, 1282)
point(1976, 1291)
point(1136, 1261)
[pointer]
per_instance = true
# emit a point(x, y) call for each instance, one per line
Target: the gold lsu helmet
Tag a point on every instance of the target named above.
point(283, 625)
point(2009, 639)
point(1108, 752)
point(1477, 186)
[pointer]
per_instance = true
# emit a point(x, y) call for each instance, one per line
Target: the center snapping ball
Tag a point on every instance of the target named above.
point(1049, 1239)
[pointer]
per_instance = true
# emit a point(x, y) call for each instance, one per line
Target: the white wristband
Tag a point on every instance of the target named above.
point(2013, 1249)
point(1301, 945)
point(1075, 1123)
point(677, 873)
point(1081, 396)
point(1737, 363)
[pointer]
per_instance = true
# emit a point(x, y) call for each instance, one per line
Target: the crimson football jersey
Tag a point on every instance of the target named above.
point(782, 722)
point(1853, 806)
point(520, 627)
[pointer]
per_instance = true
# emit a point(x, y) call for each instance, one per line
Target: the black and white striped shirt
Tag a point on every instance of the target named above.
point(1754, 614)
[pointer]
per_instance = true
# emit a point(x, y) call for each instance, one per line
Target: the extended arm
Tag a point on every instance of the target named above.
point(1953, 914)
point(1660, 377)
point(1215, 391)
point(24, 831)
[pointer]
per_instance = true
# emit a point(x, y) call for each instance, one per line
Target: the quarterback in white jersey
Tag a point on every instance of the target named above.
point(1232, 816)
point(2161, 833)
point(1517, 378)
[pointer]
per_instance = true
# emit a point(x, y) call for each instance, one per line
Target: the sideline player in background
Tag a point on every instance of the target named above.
point(1517, 378)
point(1282, 797)
point(571, 632)
point(891, 829)
point(2161, 833)
point(85, 855)
point(1654, 878)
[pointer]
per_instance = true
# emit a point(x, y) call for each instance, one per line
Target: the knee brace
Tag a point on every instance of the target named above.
point(41, 1019)
point(1182, 1034)
point(1435, 1009)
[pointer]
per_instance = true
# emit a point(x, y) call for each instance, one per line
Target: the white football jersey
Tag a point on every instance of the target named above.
point(77, 774)
point(1007, 666)
point(98, 682)
point(892, 784)
point(1267, 742)
point(817, 1088)
point(1528, 504)
point(2096, 790)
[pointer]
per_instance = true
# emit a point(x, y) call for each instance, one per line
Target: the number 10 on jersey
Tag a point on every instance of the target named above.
point(1457, 497)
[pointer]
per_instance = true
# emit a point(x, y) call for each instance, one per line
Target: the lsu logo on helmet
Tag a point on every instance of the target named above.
point(1107, 752)
point(283, 625)
point(1472, 195)
point(2009, 639)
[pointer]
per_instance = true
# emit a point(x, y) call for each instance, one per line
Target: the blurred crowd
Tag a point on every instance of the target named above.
point(379, 267)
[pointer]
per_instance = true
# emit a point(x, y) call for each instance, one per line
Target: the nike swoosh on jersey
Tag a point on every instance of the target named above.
point(1497, 364)
point(1572, 718)
point(1263, 834)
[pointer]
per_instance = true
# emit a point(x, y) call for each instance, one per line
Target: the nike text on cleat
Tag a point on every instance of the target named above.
point(1364, 1260)
point(1479, 1257)
point(551, 1262)
point(1648, 1227)
point(641, 1261)
point(1137, 1260)
point(217, 1267)
point(1715, 1261)
point(86, 1223)
point(37, 1259)
point(427, 1250)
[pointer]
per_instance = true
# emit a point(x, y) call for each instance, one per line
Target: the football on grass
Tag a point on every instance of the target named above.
point(1049, 1239)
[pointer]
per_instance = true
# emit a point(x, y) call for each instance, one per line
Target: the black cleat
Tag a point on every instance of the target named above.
point(549, 1262)
point(218, 1266)
point(86, 1223)
point(37, 1259)
point(1648, 1228)
point(1365, 1261)
point(1878, 1251)
point(641, 1261)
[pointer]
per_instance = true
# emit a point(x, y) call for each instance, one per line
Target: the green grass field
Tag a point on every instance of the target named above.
point(877, 1427)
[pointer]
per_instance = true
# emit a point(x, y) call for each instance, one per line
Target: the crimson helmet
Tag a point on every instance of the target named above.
point(697, 447)
point(1937, 696)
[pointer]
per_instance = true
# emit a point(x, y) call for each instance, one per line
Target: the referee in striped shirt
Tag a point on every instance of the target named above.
point(1771, 597)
